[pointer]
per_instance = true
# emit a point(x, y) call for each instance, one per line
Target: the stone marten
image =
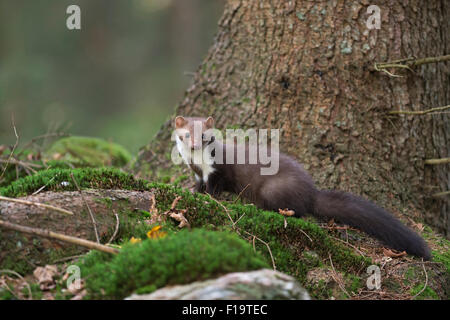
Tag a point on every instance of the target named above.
point(291, 187)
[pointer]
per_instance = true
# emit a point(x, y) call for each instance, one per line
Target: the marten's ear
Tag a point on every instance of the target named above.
point(179, 122)
point(209, 123)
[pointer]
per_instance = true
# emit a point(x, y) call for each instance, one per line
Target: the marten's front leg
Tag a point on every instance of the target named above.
point(214, 185)
point(199, 185)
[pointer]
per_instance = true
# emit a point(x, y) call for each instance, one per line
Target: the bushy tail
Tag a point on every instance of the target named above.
point(375, 221)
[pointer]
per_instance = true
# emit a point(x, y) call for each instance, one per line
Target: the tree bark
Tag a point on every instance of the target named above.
point(307, 68)
point(34, 250)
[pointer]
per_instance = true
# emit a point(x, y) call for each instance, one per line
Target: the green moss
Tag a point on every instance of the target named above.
point(6, 295)
point(354, 283)
point(286, 244)
point(88, 151)
point(179, 258)
point(60, 180)
point(180, 179)
point(36, 292)
point(427, 294)
point(319, 291)
point(443, 258)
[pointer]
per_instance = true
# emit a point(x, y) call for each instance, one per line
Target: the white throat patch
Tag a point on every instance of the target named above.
point(201, 158)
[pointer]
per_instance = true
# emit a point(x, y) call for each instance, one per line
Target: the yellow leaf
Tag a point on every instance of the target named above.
point(135, 240)
point(156, 233)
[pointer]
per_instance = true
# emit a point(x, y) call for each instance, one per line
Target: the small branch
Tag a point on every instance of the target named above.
point(240, 193)
point(335, 277)
point(266, 244)
point(44, 186)
point(234, 223)
point(408, 63)
point(37, 204)
point(233, 226)
point(441, 194)
point(349, 244)
point(419, 62)
point(89, 208)
point(425, 285)
point(437, 161)
point(44, 136)
point(21, 163)
point(116, 228)
point(422, 112)
point(30, 296)
point(224, 208)
point(13, 149)
point(58, 236)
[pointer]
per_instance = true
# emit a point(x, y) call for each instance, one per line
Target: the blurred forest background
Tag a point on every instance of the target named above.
point(117, 78)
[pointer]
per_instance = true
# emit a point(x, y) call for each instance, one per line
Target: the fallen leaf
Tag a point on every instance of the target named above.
point(75, 287)
point(80, 295)
point(57, 156)
point(156, 233)
point(135, 240)
point(44, 276)
point(180, 218)
point(390, 253)
point(286, 212)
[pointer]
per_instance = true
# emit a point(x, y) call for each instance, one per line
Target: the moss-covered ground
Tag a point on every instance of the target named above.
point(178, 258)
point(222, 238)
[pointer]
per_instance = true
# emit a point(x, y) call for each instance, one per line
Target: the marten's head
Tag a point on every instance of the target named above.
point(194, 133)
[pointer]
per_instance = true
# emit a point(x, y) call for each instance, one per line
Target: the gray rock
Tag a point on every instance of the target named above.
point(260, 284)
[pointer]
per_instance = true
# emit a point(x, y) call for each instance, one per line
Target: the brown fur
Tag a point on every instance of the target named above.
point(293, 188)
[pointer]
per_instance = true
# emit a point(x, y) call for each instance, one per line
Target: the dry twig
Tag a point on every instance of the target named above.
point(89, 208)
point(116, 229)
point(408, 63)
point(421, 112)
point(58, 236)
point(426, 282)
point(13, 149)
point(30, 296)
point(37, 204)
point(266, 244)
point(233, 226)
point(441, 194)
point(240, 193)
point(335, 277)
point(437, 161)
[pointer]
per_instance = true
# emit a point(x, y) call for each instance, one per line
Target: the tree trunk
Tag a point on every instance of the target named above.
point(307, 68)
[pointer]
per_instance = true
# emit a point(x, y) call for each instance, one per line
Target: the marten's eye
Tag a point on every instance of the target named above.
point(203, 136)
point(187, 135)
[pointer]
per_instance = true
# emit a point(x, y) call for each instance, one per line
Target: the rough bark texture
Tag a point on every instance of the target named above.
point(306, 67)
point(34, 250)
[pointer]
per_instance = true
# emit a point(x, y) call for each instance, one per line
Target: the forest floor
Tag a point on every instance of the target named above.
point(151, 224)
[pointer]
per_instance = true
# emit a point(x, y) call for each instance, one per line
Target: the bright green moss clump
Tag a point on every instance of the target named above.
point(88, 151)
point(286, 243)
point(179, 258)
point(11, 174)
point(60, 180)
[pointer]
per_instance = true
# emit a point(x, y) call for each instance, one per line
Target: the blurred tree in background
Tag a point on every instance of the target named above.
point(117, 78)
